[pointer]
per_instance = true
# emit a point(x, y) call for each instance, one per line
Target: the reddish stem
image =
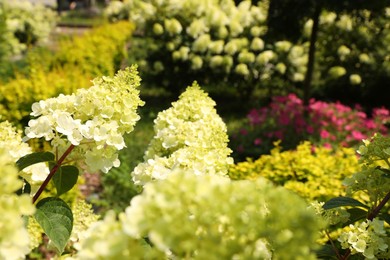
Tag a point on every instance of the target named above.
point(52, 172)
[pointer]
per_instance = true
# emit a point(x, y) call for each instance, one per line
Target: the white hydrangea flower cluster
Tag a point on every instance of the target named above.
point(27, 24)
point(189, 135)
point(94, 120)
point(368, 238)
point(14, 239)
point(11, 141)
point(207, 217)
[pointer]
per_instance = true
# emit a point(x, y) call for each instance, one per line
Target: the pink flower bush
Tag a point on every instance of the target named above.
point(324, 124)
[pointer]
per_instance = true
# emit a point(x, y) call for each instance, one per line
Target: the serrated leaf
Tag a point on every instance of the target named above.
point(34, 158)
point(65, 178)
point(343, 201)
point(56, 219)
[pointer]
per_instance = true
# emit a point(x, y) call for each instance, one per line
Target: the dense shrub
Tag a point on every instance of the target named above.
point(286, 119)
point(312, 172)
point(66, 70)
point(98, 52)
point(213, 42)
point(26, 24)
point(353, 56)
point(219, 42)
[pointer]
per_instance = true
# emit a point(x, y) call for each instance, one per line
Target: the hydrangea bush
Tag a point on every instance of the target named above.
point(366, 230)
point(220, 41)
point(324, 124)
point(345, 63)
point(208, 216)
point(216, 41)
point(27, 24)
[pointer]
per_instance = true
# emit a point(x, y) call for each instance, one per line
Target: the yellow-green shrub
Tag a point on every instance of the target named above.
point(17, 95)
point(77, 61)
point(98, 52)
point(313, 173)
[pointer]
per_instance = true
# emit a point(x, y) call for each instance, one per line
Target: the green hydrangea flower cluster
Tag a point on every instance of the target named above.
point(11, 141)
point(14, 240)
point(190, 135)
point(315, 173)
point(94, 120)
point(373, 179)
point(106, 239)
point(208, 217)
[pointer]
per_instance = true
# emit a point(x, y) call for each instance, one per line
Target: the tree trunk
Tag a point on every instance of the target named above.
point(311, 58)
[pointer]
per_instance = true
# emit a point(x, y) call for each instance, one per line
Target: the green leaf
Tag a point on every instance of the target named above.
point(34, 158)
point(355, 215)
point(386, 172)
point(56, 219)
point(343, 201)
point(65, 178)
point(385, 217)
point(26, 188)
point(326, 252)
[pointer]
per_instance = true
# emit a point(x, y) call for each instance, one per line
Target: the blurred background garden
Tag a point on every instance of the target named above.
point(299, 83)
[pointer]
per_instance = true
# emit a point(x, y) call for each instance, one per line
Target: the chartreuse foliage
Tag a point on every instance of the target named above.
point(77, 61)
point(312, 172)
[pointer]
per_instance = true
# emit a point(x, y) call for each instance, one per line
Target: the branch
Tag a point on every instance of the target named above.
point(52, 172)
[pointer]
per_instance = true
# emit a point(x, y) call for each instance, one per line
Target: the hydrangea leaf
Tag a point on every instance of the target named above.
point(34, 158)
point(65, 178)
point(355, 215)
point(385, 217)
point(26, 188)
point(326, 252)
point(56, 219)
point(343, 201)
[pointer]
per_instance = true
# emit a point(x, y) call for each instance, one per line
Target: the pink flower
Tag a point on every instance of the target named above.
point(324, 134)
point(357, 135)
point(258, 141)
point(328, 145)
